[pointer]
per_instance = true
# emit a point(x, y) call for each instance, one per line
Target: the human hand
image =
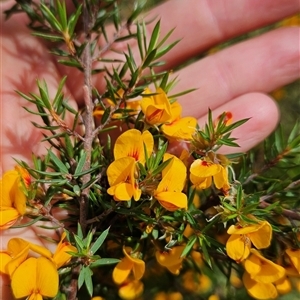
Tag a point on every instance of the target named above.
point(233, 80)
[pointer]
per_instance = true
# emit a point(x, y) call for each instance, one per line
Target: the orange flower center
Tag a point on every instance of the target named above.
point(156, 115)
point(135, 155)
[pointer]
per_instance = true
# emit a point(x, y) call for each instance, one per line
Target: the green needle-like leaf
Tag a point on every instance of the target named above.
point(98, 243)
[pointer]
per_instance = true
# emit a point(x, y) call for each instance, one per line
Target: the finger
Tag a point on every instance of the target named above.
point(261, 64)
point(263, 116)
point(24, 60)
point(202, 24)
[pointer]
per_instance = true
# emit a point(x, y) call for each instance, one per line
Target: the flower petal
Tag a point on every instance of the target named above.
point(156, 108)
point(122, 270)
point(201, 183)
point(294, 256)
point(47, 277)
point(24, 175)
point(173, 175)
point(201, 168)
point(17, 260)
point(131, 290)
point(124, 192)
point(283, 285)
point(23, 280)
point(139, 270)
point(221, 179)
point(262, 237)
point(181, 129)
point(237, 247)
point(172, 200)
point(40, 250)
point(259, 290)
point(61, 257)
point(6, 184)
point(171, 257)
point(119, 170)
point(269, 272)
point(131, 143)
point(253, 265)
point(237, 229)
point(175, 269)
point(5, 258)
point(8, 217)
point(16, 245)
point(18, 196)
point(138, 264)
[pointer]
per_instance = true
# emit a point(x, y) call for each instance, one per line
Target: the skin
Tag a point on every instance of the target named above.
point(235, 79)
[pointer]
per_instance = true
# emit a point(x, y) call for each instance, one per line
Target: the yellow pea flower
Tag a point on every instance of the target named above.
point(121, 178)
point(131, 144)
point(261, 269)
point(261, 276)
point(13, 187)
point(179, 128)
point(283, 285)
point(60, 256)
point(35, 278)
point(5, 258)
point(294, 256)
point(129, 263)
point(156, 108)
point(168, 192)
point(131, 290)
point(195, 282)
point(202, 173)
point(259, 290)
point(171, 259)
point(239, 243)
point(18, 250)
point(133, 105)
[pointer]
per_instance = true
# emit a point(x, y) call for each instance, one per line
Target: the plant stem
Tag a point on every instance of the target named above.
point(88, 117)
point(291, 214)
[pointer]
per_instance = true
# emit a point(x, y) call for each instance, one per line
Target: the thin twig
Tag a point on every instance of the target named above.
point(108, 45)
point(88, 117)
point(294, 215)
point(103, 215)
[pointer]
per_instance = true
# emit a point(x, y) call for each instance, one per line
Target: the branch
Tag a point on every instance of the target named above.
point(88, 117)
point(294, 215)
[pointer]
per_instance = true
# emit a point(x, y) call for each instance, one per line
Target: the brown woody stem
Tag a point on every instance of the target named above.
point(87, 118)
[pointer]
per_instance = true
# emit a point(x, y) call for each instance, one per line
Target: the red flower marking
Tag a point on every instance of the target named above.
point(135, 155)
point(156, 115)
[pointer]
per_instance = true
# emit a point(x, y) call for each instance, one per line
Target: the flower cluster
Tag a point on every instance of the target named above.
point(137, 218)
point(159, 111)
point(32, 276)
